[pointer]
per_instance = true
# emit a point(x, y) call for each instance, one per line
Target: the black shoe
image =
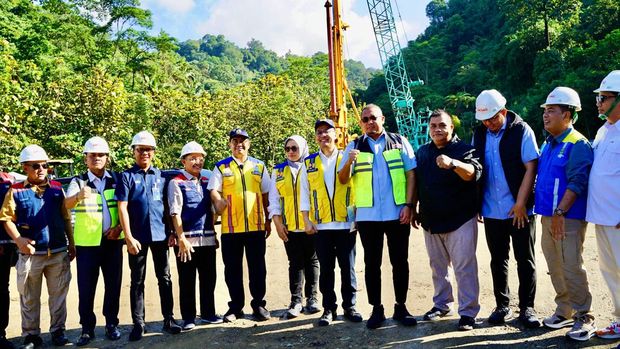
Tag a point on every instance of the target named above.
point(171, 326)
point(261, 314)
point(466, 323)
point(402, 315)
point(435, 314)
point(377, 318)
point(5, 343)
point(352, 315)
point(85, 338)
point(500, 315)
point(112, 332)
point(327, 317)
point(32, 341)
point(59, 339)
point(136, 333)
point(232, 316)
point(528, 318)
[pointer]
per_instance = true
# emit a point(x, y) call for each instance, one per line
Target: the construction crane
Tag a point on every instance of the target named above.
point(339, 90)
point(410, 125)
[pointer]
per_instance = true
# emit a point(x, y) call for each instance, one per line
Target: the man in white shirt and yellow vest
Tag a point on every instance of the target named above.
point(98, 239)
point(324, 202)
point(239, 190)
point(380, 165)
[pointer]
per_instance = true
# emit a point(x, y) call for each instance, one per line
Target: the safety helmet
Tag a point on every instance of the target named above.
point(489, 103)
point(611, 83)
point(563, 96)
point(192, 147)
point(96, 145)
point(33, 153)
point(143, 138)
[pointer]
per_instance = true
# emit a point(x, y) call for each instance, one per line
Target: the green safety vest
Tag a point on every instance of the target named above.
point(362, 172)
point(88, 226)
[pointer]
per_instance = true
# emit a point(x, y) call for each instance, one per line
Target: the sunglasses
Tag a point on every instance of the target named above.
point(144, 150)
point(38, 166)
point(365, 119)
point(601, 98)
point(291, 148)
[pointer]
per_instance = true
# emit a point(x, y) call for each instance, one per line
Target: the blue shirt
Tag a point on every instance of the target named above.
point(143, 191)
point(497, 198)
point(384, 209)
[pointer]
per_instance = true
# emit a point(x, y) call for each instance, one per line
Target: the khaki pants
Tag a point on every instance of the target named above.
point(30, 271)
point(565, 263)
point(608, 241)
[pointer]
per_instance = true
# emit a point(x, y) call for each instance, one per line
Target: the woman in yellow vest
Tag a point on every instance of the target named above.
point(239, 189)
point(284, 209)
point(98, 239)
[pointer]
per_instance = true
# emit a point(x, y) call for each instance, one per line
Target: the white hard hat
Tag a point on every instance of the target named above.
point(143, 138)
point(33, 153)
point(96, 145)
point(563, 96)
point(192, 147)
point(489, 103)
point(611, 83)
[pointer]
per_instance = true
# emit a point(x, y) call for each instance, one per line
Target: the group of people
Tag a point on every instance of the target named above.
point(377, 187)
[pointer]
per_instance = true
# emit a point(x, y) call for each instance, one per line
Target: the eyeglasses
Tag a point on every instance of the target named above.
point(365, 119)
point(144, 150)
point(196, 158)
point(292, 148)
point(602, 98)
point(323, 132)
point(38, 166)
point(495, 117)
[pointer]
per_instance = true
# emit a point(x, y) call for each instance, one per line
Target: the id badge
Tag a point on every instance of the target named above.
point(156, 194)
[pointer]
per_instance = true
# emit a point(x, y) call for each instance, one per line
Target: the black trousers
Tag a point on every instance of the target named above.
point(332, 245)
point(137, 264)
point(372, 235)
point(499, 232)
point(8, 258)
point(109, 258)
point(233, 247)
point(302, 263)
point(203, 263)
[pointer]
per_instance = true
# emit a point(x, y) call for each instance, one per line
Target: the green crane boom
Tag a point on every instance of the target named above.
point(410, 125)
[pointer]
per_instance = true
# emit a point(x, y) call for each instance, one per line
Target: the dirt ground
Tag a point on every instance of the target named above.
point(303, 332)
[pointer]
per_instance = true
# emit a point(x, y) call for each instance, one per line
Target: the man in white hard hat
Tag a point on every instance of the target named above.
point(192, 219)
point(560, 200)
point(239, 190)
point(98, 239)
point(140, 196)
point(604, 193)
point(507, 149)
point(8, 258)
point(35, 218)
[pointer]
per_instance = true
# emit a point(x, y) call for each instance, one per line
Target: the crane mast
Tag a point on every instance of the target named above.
point(410, 125)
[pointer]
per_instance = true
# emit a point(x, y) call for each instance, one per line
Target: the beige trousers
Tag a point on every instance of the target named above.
point(565, 263)
point(30, 271)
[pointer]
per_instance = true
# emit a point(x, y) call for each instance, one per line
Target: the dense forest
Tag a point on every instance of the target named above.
point(71, 69)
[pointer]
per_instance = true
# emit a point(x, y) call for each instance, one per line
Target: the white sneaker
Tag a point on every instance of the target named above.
point(557, 321)
point(610, 332)
point(583, 329)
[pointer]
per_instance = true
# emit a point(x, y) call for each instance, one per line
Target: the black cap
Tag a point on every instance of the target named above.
point(238, 132)
point(327, 122)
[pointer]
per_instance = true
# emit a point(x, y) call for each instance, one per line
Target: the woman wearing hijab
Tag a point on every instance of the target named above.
point(285, 212)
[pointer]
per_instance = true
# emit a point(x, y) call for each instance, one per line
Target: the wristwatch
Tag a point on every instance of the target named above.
point(452, 165)
point(408, 204)
point(559, 212)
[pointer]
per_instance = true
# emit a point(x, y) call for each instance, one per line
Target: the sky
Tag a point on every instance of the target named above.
point(295, 26)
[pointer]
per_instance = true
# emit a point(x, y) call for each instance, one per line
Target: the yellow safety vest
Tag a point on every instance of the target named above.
point(324, 209)
point(88, 226)
point(288, 189)
point(241, 186)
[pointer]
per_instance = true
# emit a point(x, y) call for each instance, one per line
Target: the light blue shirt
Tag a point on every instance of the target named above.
point(498, 200)
point(384, 209)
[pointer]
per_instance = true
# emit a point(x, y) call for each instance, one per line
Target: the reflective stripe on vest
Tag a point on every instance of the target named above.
point(362, 177)
point(89, 218)
point(288, 188)
point(241, 186)
point(324, 209)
